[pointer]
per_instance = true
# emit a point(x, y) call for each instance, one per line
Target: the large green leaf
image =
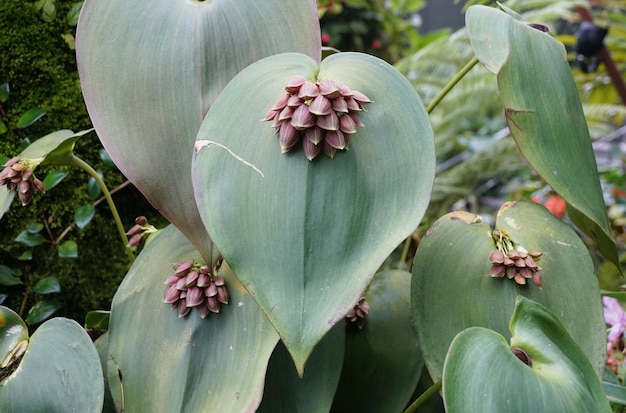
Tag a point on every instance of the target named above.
point(59, 372)
point(544, 113)
point(452, 288)
point(383, 361)
point(286, 392)
point(305, 238)
point(171, 364)
point(150, 80)
point(483, 374)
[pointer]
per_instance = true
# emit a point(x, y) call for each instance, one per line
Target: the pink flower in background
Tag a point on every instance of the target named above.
point(614, 316)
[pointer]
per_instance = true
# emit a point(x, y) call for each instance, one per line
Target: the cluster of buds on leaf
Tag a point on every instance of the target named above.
point(195, 286)
point(140, 232)
point(323, 114)
point(515, 263)
point(356, 316)
point(18, 174)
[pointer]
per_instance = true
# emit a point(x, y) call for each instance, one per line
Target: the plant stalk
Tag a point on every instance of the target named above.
point(433, 104)
point(76, 161)
point(423, 397)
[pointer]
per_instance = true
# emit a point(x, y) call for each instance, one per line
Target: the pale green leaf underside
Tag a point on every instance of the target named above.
point(150, 70)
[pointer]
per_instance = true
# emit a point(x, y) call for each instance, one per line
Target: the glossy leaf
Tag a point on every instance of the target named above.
point(318, 230)
point(12, 331)
point(93, 189)
point(84, 215)
point(97, 320)
point(4, 92)
point(3, 127)
point(383, 361)
point(9, 276)
point(53, 178)
point(286, 392)
point(544, 113)
point(47, 285)
point(69, 249)
point(184, 364)
point(482, 373)
point(42, 310)
point(151, 91)
point(452, 288)
point(60, 363)
point(30, 239)
point(29, 117)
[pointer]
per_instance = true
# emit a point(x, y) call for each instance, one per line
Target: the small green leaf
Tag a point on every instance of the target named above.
point(3, 127)
point(53, 179)
point(69, 40)
point(72, 16)
point(47, 285)
point(97, 320)
point(30, 239)
point(29, 117)
point(93, 189)
point(84, 215)
point(34, 227)
point(68, 249)
point(9, 276)
point(26, 256)
point(4, 92)
point(42, 310)
point(104, 156)
point(6, 197)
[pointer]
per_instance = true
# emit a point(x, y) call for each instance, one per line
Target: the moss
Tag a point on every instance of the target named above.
point(41, 71)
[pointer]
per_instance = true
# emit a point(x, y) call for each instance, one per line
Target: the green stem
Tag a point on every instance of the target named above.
point(425, 396)
point(451, 84)
point(405, 250)
point(76, 161)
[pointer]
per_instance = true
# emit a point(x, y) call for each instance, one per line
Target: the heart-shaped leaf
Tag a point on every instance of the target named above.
point(383, 361)
point(452, 288)
point(172, 364)
point(149, 83)
point(305, 238)
point(544, 113)
point(47, 285)
point(59, 372)
point(542, 370)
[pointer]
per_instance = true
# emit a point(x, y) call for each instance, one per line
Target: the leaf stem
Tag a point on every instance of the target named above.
point(423, 397)
point(451, 84)
point(76, 161)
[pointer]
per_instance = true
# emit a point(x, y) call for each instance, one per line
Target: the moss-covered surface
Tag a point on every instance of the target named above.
point(40, 68)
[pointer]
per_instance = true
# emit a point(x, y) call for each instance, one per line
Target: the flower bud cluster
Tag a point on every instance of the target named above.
point(356, 316)
point(140, 232)
point(324, 115)
point(516, 264)
point(18, 175)
point(194, 286)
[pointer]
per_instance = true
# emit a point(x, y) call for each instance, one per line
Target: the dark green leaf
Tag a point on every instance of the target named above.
point(42, 310)
point(53, 178)
point(3, 297)
point(30, 239)
point(4, 92)
point(3, 127)
point(84, 215)
point(29, 117)
point(26, 256)
point(9, 276)
point(47, 285)
point(35, 227)
point(97, 320)
point(93, 189)
point(544, 114)
point(68, 249)
point(104, 156)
